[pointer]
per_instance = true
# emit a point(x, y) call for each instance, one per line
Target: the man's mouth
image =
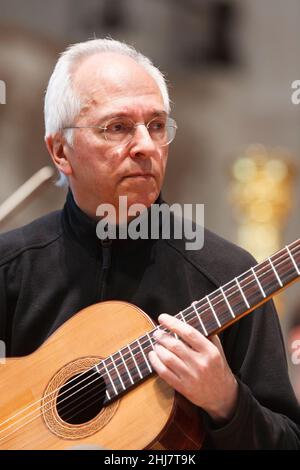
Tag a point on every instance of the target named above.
point(139, 175)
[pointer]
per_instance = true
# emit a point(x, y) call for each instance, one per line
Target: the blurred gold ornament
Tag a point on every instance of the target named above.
point(262, 195)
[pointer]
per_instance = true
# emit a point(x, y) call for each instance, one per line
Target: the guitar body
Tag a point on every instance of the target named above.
point(151, 415)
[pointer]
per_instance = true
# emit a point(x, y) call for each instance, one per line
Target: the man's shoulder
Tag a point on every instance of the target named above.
point(219, 259)
point(34, 235)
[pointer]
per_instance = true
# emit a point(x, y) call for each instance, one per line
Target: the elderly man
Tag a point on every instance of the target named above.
point(108, 132)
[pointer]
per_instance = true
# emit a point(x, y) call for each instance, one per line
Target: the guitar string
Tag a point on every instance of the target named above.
point(278, 255)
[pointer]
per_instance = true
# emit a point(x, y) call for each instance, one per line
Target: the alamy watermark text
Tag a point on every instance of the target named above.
point(2, 92)
point(159, 221)
point(295, 97)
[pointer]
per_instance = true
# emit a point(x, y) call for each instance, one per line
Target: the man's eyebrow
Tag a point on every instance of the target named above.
point(107, 117)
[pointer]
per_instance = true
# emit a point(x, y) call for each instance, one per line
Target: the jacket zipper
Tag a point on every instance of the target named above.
point(106, 263)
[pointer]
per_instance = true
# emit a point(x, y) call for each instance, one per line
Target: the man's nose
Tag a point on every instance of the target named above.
point(142, 143)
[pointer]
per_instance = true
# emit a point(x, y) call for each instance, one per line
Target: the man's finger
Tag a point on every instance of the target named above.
point(186, 332)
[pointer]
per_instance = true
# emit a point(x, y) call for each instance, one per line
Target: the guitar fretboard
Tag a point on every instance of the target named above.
point(224, 306)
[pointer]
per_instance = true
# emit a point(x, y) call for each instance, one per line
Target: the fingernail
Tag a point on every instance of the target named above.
point(157, 334)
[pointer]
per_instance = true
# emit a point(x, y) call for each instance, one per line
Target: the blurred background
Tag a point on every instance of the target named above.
point(230, 66)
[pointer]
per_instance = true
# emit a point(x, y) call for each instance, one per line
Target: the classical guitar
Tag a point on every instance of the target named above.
point(91, 384)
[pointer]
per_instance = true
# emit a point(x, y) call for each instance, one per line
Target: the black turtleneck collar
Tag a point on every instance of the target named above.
point(78, 224)
point(83, 228)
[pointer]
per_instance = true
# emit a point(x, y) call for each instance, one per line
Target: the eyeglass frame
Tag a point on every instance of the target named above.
point(136, 124)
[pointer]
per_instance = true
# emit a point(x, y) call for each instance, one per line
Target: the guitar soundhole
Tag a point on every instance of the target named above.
point(81, 398)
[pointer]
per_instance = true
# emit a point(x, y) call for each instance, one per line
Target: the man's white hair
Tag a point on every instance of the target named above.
point(62, 104)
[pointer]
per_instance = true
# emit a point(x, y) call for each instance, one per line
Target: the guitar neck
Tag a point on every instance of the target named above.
point(244, 293)
point(210, 315)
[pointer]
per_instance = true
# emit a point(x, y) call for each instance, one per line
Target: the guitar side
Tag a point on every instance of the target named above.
point(150, 415)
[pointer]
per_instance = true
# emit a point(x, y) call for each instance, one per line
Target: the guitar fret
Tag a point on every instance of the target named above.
point(111, 380)
point(275, 272)
point(117, 370)
point(150, 339)
point(97, 369)
point(294, 262)
point(144, 356)
point(183, 319)
point(199, 318)
point(241, 291)
point(227, 302)
point(125, 365)
point(258, 282)
point(160, 328)
point(213, 311)
point(135, 363)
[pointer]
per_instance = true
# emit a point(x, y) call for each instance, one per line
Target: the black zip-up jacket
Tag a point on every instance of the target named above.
point(55, 266)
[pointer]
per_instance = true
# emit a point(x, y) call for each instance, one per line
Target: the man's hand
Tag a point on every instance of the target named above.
point(196, 367)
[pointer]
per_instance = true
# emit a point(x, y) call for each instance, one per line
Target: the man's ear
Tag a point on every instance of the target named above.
point(58, 149)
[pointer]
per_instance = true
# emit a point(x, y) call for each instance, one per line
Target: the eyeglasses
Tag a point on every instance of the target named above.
point(120, 130)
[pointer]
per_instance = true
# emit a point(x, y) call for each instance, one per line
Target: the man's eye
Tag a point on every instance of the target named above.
point(157, 125)
point(118, 127)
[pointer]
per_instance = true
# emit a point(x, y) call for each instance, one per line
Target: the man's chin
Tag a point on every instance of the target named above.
point(142, 199)
point(142, 192)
